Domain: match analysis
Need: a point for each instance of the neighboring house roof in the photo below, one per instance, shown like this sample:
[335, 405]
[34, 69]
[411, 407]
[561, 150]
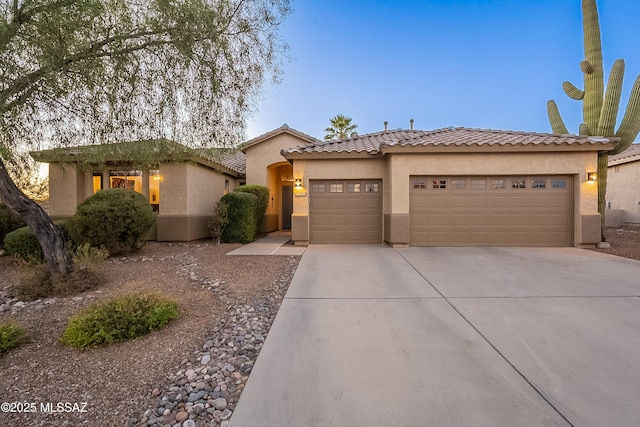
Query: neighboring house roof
[282, 129]
[395, 140]
[146, 153]
[631, 154]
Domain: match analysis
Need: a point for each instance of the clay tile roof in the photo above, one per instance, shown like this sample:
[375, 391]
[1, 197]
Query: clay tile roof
[369, 143]
[235, 160]
[631, 154]
[376, 143]
[490, 137]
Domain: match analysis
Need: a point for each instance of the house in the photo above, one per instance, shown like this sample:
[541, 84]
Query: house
[446, 187]
[623, 187]
[182, 184]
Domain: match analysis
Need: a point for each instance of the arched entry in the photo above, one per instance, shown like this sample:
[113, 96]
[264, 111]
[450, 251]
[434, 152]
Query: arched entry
[280, 184]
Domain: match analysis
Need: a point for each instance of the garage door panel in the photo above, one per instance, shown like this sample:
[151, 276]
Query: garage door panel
[438, 219]
[478, 218]
[345, 217]
[506, 211]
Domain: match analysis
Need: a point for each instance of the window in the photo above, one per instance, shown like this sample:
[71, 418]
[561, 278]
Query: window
[497, 184]
[154, 189]
[439, 183]
[518, 183]
[419, 183]
[558, 183]
[538, 183]
[478, 184]
[335, 188]
[97, 182]
[458, 184]
[227, 186]
[318, 188]
[131, 180]
[353, 188]
[371, 188]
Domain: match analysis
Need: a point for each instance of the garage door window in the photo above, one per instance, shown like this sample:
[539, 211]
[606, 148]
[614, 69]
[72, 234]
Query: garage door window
[419, 183]
[353, 188]
[559, 183]
[497, 184]
[538, 183]
[439, 183]
[335, 188]
[318, 188]
[371, 188]
[518, 183]
[478, 184]
[459, 184]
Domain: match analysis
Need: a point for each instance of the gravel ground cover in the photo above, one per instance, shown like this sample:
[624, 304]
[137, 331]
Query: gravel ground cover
[625, 241]
[190, 373]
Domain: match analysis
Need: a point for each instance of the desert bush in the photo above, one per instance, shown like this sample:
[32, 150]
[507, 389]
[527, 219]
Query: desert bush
[219, 221]
[8, 222]
[11, 335]
[22, 243]
[119, 319]
[115, 219]
[241, 210]
[84, 274]
[262, 193]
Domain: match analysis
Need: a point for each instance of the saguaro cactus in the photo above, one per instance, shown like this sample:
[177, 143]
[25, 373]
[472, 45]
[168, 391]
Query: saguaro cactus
[600, 110]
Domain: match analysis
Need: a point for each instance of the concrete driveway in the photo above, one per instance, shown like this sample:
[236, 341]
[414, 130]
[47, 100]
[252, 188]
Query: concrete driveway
[374, 336]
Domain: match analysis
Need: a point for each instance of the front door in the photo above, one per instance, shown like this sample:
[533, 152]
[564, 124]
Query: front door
[287, 206]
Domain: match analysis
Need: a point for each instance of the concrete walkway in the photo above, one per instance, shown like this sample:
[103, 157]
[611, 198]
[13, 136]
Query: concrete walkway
[271, 244]
[372, 336]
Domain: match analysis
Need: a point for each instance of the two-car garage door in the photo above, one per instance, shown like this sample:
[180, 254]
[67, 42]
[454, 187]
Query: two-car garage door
[491, 211]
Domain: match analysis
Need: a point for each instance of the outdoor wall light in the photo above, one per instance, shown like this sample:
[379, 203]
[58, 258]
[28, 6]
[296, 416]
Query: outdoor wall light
[298, 183]
[591, 177]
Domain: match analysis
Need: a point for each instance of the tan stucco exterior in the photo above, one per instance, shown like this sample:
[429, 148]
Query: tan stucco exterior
[188, 193]
[396, 169]
[266, 166]
[189, 189]
[623, 191]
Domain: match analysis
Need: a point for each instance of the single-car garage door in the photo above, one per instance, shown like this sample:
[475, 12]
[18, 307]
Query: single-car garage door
[491, 211]
[345, 211]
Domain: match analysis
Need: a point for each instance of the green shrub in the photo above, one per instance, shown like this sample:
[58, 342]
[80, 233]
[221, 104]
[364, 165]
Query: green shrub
[115, 219]
[11, 335]
[23, 244]
[262, 193]
[219, 221]
[8, 222]
[119, 319]
[241, 210]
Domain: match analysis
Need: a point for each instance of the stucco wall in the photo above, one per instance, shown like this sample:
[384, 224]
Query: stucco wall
[623, 190]
[266, 153]
[205, 187]
[67, 187]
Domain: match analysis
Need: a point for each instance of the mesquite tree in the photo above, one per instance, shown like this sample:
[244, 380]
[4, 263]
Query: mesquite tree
[75, 72]
[600, 110]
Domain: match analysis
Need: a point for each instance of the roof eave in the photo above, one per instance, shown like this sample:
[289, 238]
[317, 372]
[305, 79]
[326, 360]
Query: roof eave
[265, 136]
[331, 155]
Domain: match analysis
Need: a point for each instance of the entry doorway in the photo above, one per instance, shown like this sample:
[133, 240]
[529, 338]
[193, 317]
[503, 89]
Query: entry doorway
[287, 206]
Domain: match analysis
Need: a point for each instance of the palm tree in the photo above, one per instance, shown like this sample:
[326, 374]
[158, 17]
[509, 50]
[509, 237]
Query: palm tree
[341, 127]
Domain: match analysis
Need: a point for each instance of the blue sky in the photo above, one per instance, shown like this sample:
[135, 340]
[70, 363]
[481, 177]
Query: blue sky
[486, 64]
